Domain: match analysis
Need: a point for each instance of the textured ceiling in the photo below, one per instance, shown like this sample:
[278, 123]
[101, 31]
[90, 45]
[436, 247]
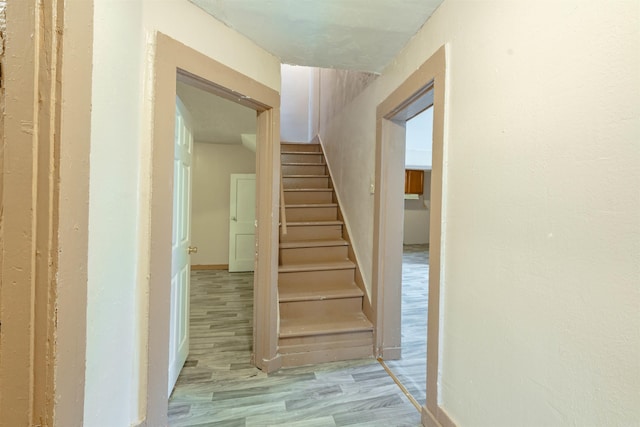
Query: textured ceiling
[216, 119]
[362, 35]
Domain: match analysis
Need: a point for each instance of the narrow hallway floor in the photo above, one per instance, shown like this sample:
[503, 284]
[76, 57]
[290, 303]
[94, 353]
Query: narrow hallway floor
[218, 386]
[411, 369]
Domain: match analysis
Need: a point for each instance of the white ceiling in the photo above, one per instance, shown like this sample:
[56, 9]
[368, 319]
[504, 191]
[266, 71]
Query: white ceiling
[216, 119]
[362, 35]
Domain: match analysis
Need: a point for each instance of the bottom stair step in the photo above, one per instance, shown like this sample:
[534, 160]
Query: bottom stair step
[309, 341]
[313, 326]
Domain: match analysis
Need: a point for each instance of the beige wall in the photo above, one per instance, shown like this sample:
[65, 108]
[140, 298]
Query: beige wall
[212, 166]
[124, 37]
[295, 113]
[541, 210]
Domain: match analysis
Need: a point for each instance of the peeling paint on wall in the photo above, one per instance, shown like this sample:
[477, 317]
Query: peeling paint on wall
[340, 87]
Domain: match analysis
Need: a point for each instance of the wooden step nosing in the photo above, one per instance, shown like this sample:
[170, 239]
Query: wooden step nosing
[315, 153]
[355, 293]
[313, 223]
[305, 176]
[333, 331]
[324, 266]
[302, 164]
[313, 244]
[312, 205]
[307, 189]
[301, 349]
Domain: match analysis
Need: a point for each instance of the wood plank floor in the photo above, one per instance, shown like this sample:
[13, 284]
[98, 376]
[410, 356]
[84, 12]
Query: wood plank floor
[218, 386]
[411, 369]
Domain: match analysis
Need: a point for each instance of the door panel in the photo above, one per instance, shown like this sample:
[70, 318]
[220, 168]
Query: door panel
[180, 268]
[242, 222]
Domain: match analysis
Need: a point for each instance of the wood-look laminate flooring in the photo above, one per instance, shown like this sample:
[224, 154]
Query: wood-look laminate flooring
[411, 369]
[219, 387]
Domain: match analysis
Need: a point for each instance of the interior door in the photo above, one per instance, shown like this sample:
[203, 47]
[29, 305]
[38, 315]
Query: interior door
[180, 265]
[242, 220]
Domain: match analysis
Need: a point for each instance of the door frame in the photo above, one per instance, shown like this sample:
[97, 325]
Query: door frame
[44, 211]
[174, 60]
[391, 115]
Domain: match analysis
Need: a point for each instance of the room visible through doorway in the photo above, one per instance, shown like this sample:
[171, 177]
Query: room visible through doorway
[214, 196]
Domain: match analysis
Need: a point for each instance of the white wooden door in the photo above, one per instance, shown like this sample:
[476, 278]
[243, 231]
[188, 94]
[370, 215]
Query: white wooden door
[180, 265]
[242, 229]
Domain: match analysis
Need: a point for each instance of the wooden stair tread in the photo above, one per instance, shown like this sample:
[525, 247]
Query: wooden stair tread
[302, 164]
[317, 266]
[316, 325]
[306, 223]
[315, 153]
[317, 292]
[312, 205]
[308, 189]
[312, 244]
[305, 176]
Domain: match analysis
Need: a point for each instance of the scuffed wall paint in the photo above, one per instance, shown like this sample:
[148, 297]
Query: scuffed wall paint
[338, 88]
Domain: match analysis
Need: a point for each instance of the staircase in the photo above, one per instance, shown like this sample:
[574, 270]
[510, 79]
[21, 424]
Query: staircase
[320, 305]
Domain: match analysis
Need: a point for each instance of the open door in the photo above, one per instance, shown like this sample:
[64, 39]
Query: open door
[180, 264]
[242, 223]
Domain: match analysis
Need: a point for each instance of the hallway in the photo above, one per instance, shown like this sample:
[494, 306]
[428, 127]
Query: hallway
[218, 386]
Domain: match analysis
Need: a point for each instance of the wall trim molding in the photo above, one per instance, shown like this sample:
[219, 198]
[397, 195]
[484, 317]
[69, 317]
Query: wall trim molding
[442, 419]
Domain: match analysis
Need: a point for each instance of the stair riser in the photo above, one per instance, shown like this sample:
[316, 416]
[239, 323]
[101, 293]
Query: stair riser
[329, 307]
[301, 197]
[333, 340]
[304, 170]
[302, 158]
[337, 277]
[300, 147]
[311, 182]
[312, 214]
[311, 232]
[324, 356]
[309, 255]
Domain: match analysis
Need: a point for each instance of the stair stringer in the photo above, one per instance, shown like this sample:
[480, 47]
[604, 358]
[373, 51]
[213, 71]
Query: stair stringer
[367, 307]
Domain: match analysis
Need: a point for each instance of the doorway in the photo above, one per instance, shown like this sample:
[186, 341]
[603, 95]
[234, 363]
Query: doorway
[410, 98]
[410, 368]
[173, 59]
[209, 156]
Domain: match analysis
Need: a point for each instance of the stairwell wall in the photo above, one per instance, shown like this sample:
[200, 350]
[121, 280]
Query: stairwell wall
[296, 116]
[540, 212]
